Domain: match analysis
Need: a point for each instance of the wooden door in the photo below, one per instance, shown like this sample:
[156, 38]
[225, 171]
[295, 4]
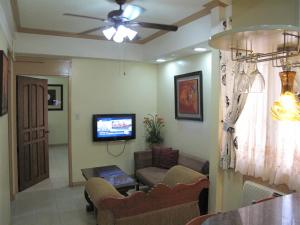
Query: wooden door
[32, 120]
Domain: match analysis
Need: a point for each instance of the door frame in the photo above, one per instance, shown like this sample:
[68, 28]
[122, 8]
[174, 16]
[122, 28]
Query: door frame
[36, 66]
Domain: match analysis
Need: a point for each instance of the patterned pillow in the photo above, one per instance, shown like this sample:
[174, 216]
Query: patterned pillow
[156, 152]
[168, 158]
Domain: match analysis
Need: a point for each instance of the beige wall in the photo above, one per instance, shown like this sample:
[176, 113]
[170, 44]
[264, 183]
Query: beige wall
[189, 136]
[264, 12]
[58, 120]
[4, 158]
[196, 138]
[232, 190]
[100, 86]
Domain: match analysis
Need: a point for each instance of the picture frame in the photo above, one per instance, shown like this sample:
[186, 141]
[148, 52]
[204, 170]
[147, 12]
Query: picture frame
[189, 96]
[55, 97]
[4, 64]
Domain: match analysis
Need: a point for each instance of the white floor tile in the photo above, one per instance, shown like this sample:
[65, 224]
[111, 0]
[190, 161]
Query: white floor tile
[52, 202]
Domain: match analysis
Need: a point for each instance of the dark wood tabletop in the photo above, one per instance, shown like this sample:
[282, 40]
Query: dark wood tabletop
[113, 174]
[283, 210]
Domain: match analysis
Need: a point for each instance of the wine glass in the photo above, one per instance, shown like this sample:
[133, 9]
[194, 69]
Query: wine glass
[257, 80]
[242, 82]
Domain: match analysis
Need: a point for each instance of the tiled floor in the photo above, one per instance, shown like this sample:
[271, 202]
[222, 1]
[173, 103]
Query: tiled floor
[52, 202]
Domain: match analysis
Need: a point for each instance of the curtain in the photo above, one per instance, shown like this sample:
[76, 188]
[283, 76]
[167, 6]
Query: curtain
[234, 103]
[252, 142]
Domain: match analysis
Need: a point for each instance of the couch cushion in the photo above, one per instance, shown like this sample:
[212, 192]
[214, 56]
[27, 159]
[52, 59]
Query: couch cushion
[183, 175]
[98, 189]
[151, 175]
[156, 153]
[155, 156]
[193, 162]
[168, 158]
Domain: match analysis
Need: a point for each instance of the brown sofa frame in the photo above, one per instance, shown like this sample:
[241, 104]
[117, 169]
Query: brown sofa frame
[172, 202]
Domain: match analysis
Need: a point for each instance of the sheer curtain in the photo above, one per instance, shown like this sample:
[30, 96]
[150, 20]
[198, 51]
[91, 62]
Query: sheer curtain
[267, 148]
[233, 106]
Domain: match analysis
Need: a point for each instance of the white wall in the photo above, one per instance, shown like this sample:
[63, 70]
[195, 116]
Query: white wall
[58, 120]
[100, 86]
[4, 158]
[193, 137]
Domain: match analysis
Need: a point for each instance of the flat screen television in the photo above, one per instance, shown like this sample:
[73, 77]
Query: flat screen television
[113, 127]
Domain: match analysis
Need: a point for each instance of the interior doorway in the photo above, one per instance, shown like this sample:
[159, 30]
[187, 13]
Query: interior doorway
[56, 133]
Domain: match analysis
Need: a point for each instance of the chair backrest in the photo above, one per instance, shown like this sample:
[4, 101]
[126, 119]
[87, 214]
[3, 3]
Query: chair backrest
[194, 162]
[253, 191]
[200, 219]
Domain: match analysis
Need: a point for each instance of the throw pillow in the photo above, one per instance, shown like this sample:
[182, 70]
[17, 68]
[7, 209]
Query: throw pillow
[156, 155]
[168, 158]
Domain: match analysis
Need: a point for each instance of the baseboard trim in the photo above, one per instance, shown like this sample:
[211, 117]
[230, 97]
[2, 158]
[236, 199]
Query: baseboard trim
[78, 183]
[57, 145]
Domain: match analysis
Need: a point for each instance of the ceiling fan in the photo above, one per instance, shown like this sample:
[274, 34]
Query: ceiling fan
[120, 21]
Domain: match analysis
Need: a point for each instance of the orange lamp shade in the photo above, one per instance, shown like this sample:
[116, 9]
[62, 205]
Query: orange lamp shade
[287, 107]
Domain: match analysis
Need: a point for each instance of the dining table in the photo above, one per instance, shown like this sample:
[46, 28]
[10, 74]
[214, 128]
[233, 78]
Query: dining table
[284, 210]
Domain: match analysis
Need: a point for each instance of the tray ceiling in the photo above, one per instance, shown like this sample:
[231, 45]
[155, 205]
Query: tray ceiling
[46, 16]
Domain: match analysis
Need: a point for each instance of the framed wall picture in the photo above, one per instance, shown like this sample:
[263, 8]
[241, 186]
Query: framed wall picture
[3, 83]
[189, 96]
[55, 97]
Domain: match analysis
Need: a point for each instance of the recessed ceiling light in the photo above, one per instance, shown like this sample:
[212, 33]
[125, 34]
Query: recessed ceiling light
[161, 60]
[200, 49]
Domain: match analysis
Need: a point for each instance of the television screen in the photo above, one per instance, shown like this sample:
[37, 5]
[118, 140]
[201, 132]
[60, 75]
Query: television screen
[111, 127]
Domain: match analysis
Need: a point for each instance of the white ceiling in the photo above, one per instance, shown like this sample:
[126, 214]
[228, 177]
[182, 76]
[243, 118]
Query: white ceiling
[48, 14]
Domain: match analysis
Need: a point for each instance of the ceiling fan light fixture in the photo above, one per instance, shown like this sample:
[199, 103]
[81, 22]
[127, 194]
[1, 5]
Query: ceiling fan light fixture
[118, 38]
[109, 33]
[120, 19]
[124, 32]
[131, 33]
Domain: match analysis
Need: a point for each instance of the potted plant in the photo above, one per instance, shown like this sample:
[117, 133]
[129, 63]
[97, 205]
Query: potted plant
[153, 125]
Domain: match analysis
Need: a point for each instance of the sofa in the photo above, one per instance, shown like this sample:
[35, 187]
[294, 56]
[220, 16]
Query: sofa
[174, 201]
[148, 174]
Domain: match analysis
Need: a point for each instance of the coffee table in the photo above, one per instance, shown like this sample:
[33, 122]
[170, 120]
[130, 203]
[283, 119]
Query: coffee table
[112, 174]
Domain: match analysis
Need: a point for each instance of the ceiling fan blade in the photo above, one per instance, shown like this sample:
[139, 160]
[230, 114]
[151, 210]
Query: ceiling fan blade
[137, 37]
[132, 12]
[153, 26]
[92, 30]
[83, 16]
[114, 1]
